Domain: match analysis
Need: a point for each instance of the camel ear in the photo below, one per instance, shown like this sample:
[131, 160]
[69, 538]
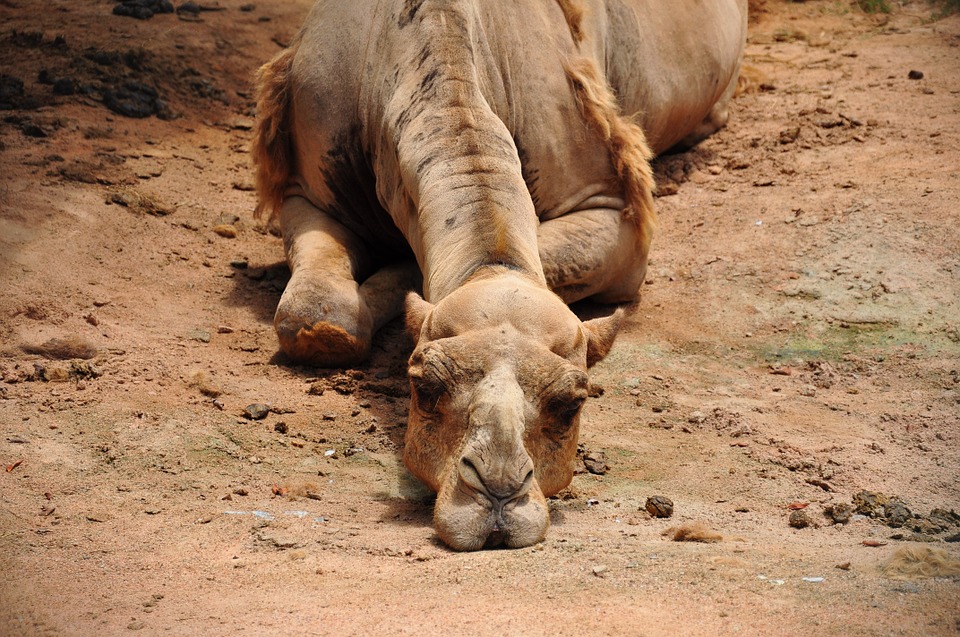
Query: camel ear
[417, 311]
[601, 333]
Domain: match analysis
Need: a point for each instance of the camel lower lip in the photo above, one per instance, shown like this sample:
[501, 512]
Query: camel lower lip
[496, 539]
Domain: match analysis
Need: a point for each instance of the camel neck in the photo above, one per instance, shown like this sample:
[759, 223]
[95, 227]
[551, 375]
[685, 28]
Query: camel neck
[454, 161]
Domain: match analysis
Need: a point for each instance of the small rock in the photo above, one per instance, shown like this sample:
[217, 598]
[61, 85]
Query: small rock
[200, 335]
[800, 519]
[241, 491]
[225, 230]
[596, 462]
[240, 122]
[789, 135]
[870, 504]
[256, 411]
[280, 427]
[840, 513]
[808, 390]
[896, 513]
[659, 506]
[599, 570]
[915, 75]
[64, 86]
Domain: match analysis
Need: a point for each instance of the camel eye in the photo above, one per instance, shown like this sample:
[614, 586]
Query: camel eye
[569, 408]
[562, 411]
[427, 391]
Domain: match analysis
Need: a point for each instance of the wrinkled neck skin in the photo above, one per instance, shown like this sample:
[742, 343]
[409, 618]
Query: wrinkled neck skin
[448, 170]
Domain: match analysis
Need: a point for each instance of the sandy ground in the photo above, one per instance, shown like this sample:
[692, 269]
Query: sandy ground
[797, 343]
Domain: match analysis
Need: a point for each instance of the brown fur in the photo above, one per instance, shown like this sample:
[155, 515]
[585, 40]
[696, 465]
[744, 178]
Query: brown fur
[749, 80]
[64, 348]
[626, 143]
[916, 562]
[200, 380]
[573, 12]
[692, 532]
[272, 148]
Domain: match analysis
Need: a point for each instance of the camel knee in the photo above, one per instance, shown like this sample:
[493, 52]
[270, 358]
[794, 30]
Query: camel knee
[323, 322]
[627, 286]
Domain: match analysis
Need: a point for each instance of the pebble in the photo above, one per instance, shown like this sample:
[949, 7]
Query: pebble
[800, 519]
[280, 427]
[659, 506]
[896, 513]
[228, 231]
[596, 462]
[840, 512]
[915, 75]
[200, 335]
[256, 411]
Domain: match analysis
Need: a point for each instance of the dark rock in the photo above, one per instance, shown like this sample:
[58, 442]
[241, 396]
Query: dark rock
[256, 411]
[64, 86]
[870, 504]
[142, 9]
[896, 513]
[280, 427]
[915, 75]
[923, 525]
[659, 506]
[800, 519]
[137, 100]
[33, 130]
[189, 7]
[596, 462]
[11, 90]
[840, 513]
[947, 518]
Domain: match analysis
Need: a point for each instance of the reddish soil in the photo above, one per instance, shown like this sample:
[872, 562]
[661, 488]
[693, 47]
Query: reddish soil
[798, 342]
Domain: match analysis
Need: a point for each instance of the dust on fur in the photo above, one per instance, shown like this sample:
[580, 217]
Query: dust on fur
[72, 346]
[692, 532]
[919, 562]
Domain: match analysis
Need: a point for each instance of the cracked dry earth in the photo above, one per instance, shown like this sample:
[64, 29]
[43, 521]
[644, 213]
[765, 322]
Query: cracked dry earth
[796, 345]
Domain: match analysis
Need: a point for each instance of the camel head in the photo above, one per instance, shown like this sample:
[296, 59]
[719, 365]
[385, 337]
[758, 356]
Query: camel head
[498, 379]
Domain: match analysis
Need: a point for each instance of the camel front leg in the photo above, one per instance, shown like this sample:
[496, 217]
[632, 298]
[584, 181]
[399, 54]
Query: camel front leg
[592, 254]
[325, 316]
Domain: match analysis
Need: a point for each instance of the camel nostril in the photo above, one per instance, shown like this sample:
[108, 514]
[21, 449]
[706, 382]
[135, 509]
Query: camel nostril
[527, 483]
[471, 475]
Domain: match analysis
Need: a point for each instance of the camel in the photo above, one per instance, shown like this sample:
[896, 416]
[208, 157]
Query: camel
[496, 157]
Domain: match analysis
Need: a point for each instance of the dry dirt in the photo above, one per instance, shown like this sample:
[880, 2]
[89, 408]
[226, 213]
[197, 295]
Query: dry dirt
[797, 342]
